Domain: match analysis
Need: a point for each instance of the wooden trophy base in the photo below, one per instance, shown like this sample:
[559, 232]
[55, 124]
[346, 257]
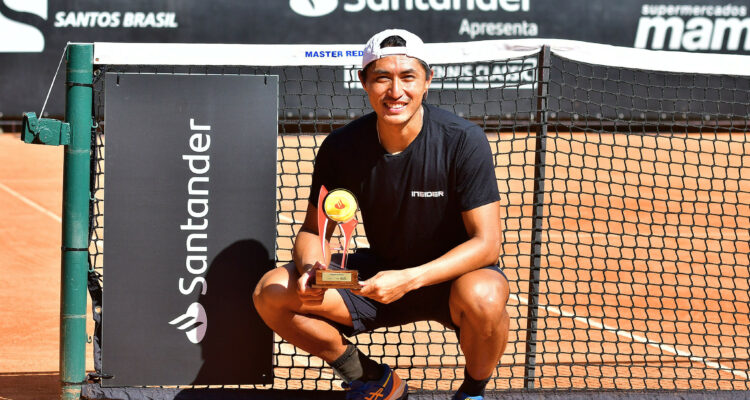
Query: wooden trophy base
[336, 279]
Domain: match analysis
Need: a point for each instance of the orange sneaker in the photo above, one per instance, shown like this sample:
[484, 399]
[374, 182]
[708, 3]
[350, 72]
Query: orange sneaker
[389, 387]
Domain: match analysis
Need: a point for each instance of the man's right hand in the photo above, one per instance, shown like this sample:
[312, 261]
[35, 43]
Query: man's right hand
[307, 294]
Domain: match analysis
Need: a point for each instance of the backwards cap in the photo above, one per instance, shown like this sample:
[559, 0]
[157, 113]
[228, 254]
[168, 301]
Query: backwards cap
[414, 46]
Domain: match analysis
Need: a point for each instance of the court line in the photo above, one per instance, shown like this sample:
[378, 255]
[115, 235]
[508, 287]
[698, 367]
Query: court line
[31, 203]
[661, 346]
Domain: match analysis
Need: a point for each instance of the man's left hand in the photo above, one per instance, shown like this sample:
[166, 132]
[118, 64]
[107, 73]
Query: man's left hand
[387, 286]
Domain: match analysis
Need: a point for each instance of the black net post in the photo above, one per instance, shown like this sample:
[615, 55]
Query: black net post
[537, 216]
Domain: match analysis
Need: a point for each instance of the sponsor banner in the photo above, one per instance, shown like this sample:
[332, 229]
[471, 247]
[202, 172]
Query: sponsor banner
[191, 222]
[517, 73]
[34, 32]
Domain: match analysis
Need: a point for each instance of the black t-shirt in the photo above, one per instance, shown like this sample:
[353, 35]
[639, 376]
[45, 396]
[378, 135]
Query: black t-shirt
[411, 202]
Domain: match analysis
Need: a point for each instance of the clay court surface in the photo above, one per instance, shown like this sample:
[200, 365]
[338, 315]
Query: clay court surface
[30, 209]
[597, 327]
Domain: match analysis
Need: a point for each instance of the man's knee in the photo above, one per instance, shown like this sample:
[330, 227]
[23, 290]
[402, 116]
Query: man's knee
[273, 289]
[480, 301]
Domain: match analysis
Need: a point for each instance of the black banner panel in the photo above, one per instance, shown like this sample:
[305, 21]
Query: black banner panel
[190, 209]
[33, 33]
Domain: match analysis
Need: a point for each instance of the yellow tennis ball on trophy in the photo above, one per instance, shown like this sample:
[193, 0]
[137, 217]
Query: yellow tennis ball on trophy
[340, 205]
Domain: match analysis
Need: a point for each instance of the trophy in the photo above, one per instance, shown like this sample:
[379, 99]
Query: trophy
[340, 206]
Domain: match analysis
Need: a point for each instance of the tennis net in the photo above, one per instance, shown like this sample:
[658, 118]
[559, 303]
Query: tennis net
[625, 203]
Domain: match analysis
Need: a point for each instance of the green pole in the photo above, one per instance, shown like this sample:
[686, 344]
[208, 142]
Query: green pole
[75, 219]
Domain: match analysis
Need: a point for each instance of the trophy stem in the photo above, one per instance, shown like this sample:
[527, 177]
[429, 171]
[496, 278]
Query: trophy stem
[348, 229]
[322, 219]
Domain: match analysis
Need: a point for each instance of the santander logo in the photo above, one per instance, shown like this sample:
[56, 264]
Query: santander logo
[313, 8]
[194, 323]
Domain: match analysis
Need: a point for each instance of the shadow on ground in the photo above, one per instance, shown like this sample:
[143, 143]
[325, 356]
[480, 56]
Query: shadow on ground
[29, 385]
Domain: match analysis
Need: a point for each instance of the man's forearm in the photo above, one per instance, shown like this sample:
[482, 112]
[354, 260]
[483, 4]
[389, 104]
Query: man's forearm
[472, 254]
[480, 250]
[307, 251]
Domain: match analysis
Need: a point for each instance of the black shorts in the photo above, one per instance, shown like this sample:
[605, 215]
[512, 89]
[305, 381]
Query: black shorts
[426, 303]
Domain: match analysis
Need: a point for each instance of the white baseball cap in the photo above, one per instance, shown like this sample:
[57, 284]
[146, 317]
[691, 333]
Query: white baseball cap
[414, 46]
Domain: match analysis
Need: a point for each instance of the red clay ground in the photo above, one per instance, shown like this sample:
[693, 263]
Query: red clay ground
[30, 229]
[30, 203]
